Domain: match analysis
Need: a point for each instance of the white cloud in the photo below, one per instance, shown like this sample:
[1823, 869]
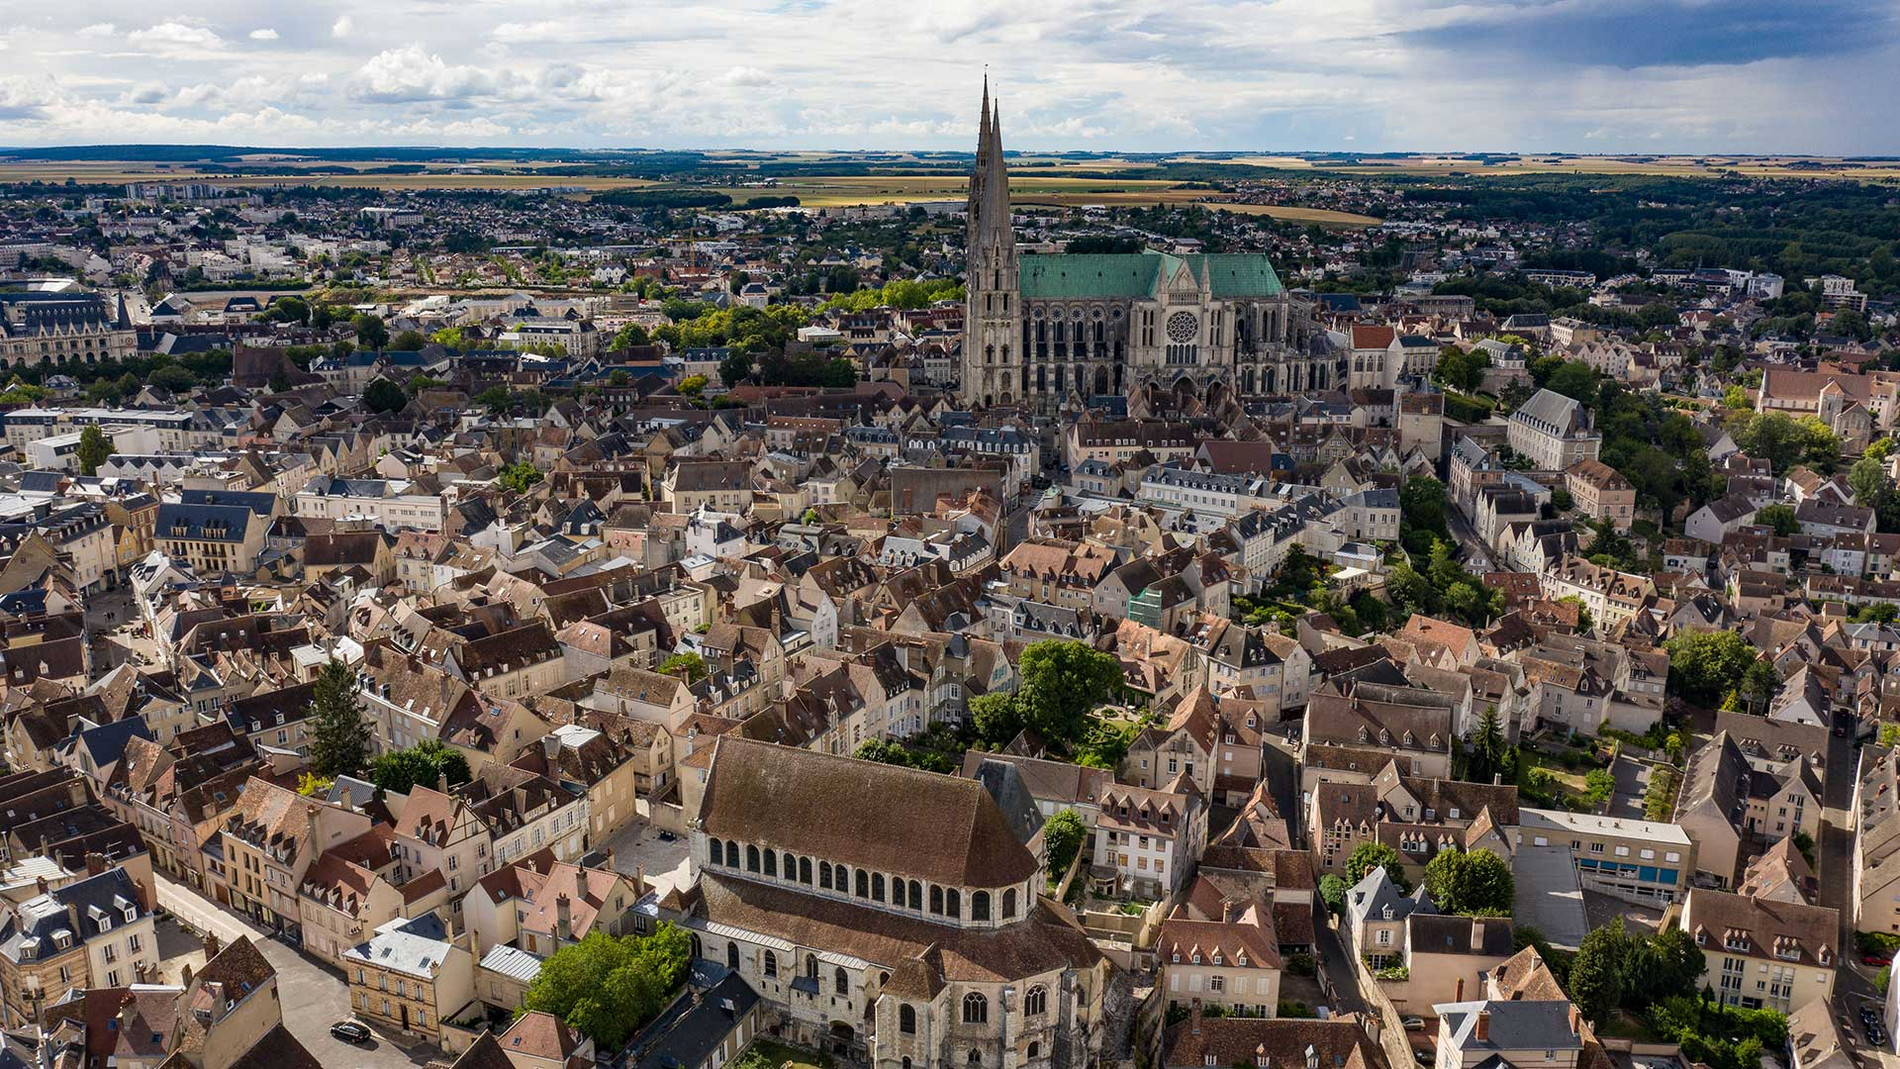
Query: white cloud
[412, 73]
[1096, 74]
[176, 35]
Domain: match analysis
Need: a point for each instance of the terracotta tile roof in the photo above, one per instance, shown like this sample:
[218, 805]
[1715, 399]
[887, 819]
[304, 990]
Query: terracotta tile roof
[863, 813]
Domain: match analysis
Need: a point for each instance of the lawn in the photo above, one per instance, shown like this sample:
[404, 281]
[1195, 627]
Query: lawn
[776, 1055]
[1626, 1026]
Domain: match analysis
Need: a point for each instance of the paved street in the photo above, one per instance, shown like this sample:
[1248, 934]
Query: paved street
[313, 997]
[639, 848]
[1339, 971]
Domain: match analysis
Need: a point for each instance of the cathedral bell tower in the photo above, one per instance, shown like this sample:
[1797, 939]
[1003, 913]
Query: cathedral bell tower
[993, 370]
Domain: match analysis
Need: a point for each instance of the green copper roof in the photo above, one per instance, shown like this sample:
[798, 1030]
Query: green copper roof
[1139, 274]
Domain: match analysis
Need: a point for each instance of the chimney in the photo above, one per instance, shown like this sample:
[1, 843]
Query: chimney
[1194, 1018]
[441, 782]
[1497, 779]
[448, 927]
[1477, 936]
[1483, 1031]
[185, 980]
[39, 885]
[563, 918]
[1576, 1020]
[1460, 996]
[95, 863]
[128, 1009]
[211, 945]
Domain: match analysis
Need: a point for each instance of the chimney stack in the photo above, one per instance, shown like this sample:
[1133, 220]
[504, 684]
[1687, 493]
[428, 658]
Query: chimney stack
[1477, 936]
[212, 946]
[1460, 996]
[1483, 1030]
[563, 918]
[1194, 1017]
[95, 863]
[1576, 1020]
[441, 782]
[39, 885]
[185, 979]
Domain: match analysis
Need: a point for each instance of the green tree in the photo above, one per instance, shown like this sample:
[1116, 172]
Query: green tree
[1488, 748]
[1062, 838]
[735, 368]
[1371, 855]
[1422, 506]
[172, 377]
[94, 449]
[692, 386]
[339, 736]
[383, 395]
[288, 309]
[998, 717]
[1596, 975]
[1780, 518]
[1062, 682]
[1332, 891]
[425, 764]
[688, 666]
[629, 336]
[1474, 883]
[1703, 665]
[496, 399]
[608, 987]
[519, 476]
[370, 331]
[409, 341]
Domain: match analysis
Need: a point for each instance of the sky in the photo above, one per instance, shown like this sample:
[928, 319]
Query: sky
[1593, 76]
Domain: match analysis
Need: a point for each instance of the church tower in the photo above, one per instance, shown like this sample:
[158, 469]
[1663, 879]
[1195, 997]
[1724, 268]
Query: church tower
[992, 315]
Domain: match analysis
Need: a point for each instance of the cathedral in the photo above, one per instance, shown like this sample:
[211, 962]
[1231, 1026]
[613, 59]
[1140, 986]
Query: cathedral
[1172, 334]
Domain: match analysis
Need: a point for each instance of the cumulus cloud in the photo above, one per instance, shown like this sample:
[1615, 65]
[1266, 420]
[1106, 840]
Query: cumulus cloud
[1601, 76]
[179, 34]
[412, 74]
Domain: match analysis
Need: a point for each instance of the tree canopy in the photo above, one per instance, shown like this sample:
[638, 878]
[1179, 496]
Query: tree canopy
[1703, 665]
[425, 764]
[1473, 883]
[339, 736]
[609, 987]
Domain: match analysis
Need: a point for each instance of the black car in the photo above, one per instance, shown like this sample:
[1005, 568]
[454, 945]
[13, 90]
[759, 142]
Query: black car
[350, 1031]
[1869, 1015]
[667, 836]
[1876, 1036]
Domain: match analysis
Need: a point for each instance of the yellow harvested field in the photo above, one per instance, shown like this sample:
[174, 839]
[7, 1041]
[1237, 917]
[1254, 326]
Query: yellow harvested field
[1321, 216]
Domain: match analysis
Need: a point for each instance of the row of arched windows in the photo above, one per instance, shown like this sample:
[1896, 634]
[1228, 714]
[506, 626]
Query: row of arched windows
[874, 886]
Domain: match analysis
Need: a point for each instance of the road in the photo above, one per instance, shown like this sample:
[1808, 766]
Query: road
[313, 996]
[1477, 554]
[1338, 969]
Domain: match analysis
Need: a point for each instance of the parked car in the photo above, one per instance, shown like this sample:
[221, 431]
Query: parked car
[1414, 1024]
[1422, 1057]
[1876, 1036]
[1869, 1015]
[350, 1031]
[1875, 960]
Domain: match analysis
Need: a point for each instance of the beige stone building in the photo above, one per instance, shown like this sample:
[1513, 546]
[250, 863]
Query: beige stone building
[1761, 953]
[411, 974]
[1601, 493]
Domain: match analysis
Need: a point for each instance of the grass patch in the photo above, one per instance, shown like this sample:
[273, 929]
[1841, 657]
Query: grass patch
[1625, 1026]
[771, 1054]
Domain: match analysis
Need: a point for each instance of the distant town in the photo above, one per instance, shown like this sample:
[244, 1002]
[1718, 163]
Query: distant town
[1209, 613]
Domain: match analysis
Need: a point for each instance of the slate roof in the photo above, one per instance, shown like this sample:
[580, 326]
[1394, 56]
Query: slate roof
[1141, 274]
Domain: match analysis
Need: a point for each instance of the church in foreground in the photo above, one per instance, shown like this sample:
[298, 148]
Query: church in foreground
[1170, 333]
